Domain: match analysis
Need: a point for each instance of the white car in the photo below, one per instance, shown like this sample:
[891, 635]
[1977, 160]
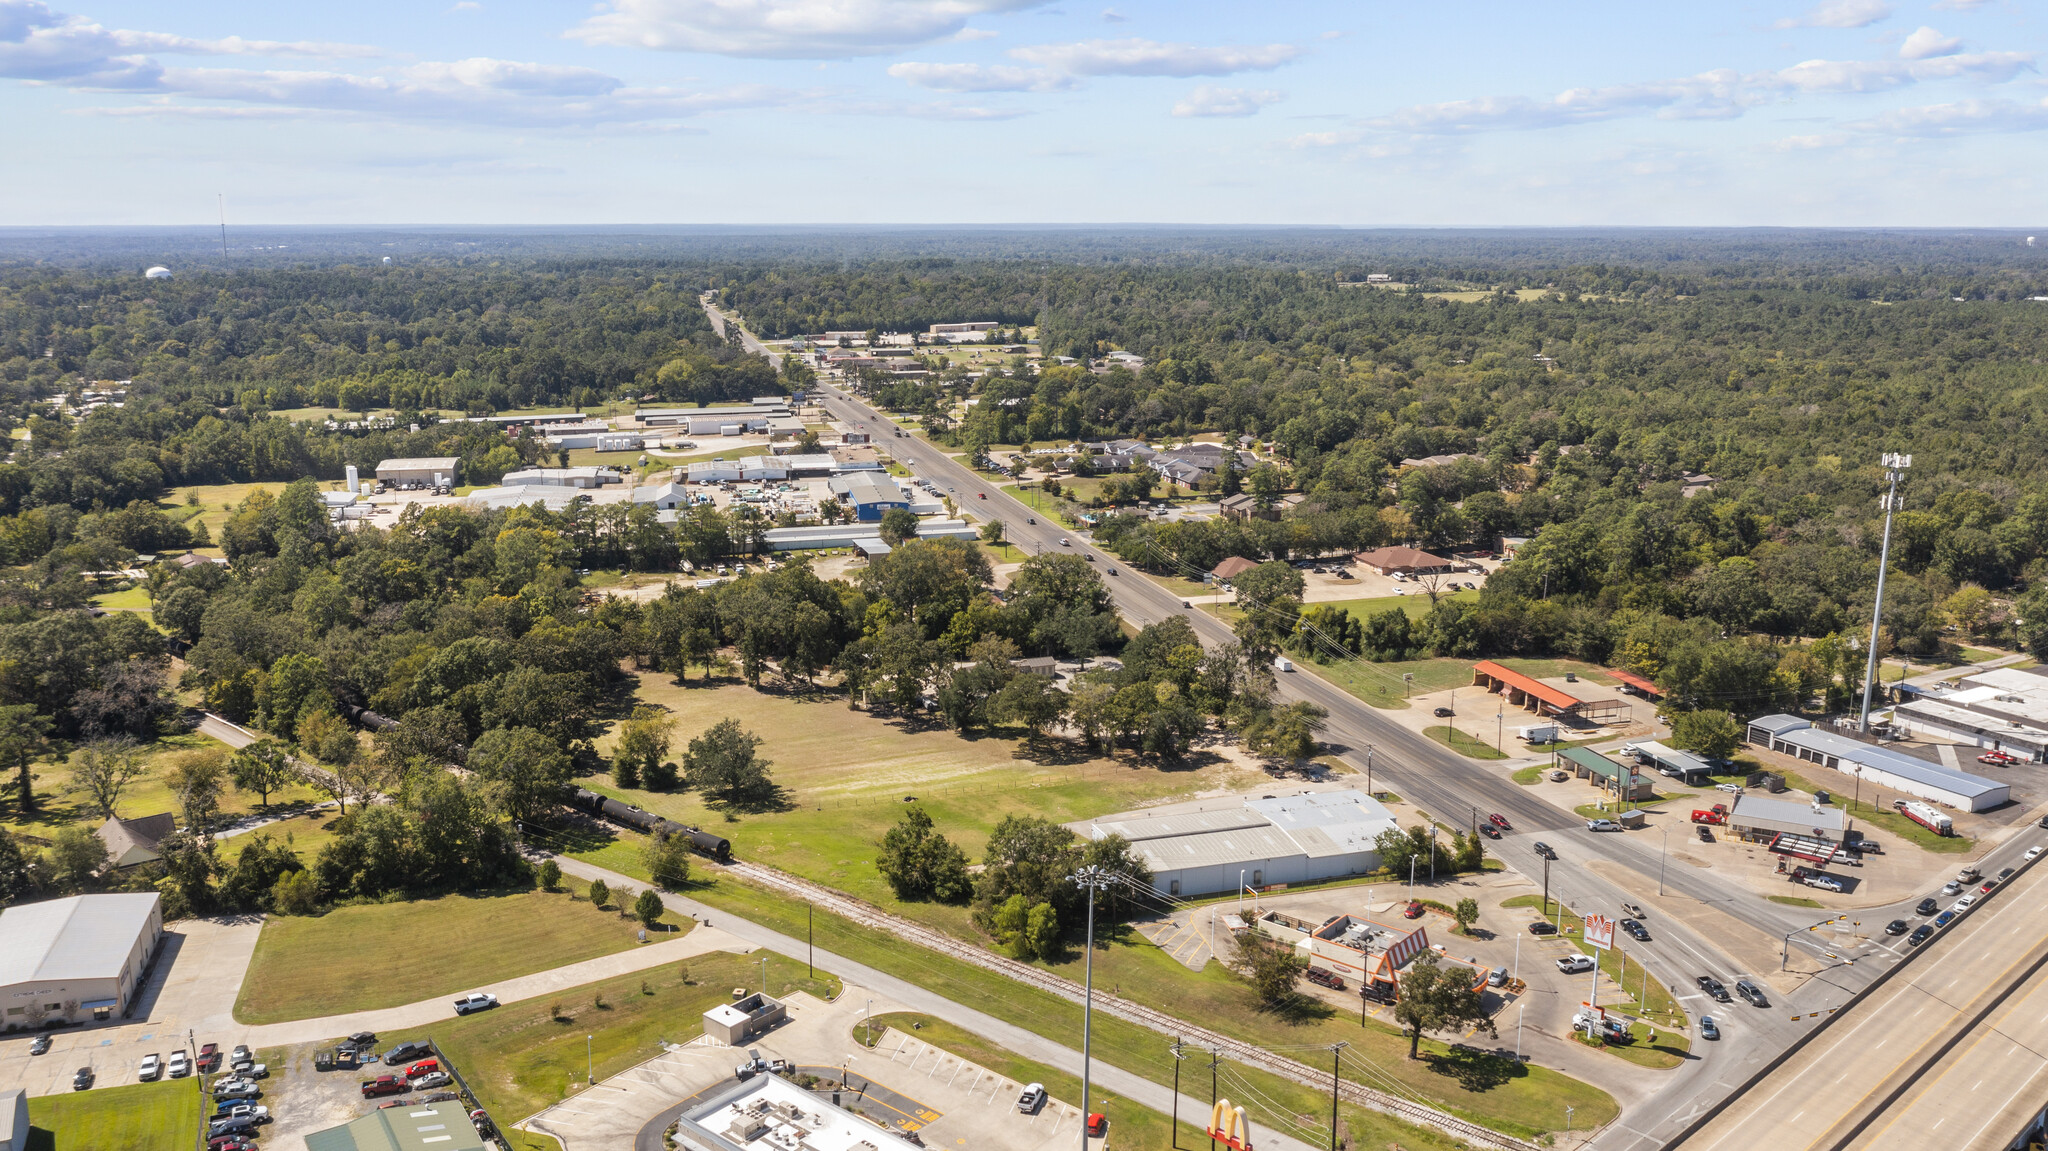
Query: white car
[180, 1066]
[1032, 1099]
[1730, 788]
[1951, 887]
[2034, 851]
[1575, 964]
[1602, 825]
[475, 1001]
[1964, 903]
[152, 1066]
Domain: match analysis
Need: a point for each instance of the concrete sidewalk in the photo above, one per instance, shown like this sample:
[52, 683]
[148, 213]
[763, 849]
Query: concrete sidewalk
[914, 998]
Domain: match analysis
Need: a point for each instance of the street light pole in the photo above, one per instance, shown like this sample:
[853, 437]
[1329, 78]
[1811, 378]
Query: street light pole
[1662, 855]
[589, 1062]
[1091, 879]
[1895, 466]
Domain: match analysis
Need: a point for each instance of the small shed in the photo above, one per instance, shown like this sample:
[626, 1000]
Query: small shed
[736, 1022]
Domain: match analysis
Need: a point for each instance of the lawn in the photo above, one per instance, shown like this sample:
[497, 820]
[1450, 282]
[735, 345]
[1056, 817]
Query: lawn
[522, 1056]
[1793, 900]
[1530, 775]
[1136, 1126]
[1653, 1048]
[216, 501]
[1464, 743]
[1522, 1099]
[58, 805]
[161, 1116]
[848, 774]
[133, 599]
[1653, 1001]
[1388, 685]
[306, 967]
[1416, 606]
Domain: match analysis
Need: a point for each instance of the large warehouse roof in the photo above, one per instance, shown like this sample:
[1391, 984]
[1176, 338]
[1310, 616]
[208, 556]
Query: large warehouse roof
[1313, 824]
[83, 937]
[1898, 763]
[441, 1126]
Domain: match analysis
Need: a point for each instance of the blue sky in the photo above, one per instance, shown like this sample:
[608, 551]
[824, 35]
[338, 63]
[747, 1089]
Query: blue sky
[1841, 112]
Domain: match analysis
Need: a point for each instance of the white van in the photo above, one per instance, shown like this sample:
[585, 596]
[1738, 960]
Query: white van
[1282, 663]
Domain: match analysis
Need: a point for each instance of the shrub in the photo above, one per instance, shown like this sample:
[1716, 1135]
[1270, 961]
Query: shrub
[599, 893]
[550, 874]
[648, 907]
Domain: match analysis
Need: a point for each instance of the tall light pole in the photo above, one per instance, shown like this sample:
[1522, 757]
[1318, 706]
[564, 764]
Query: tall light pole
[1895, 466]
[1090, 879]
[589, 1062]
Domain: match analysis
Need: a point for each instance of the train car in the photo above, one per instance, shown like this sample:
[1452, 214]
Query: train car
[364, 717]
[715, 846]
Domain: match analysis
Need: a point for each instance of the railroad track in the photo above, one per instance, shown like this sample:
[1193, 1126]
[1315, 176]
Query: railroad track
[868, 915]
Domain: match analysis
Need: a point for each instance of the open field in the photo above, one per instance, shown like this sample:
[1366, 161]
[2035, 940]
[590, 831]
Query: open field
[849, 774]
[1525, 1099]
[216, 501]
[58, 805]
[1416, 606]
[1474, 296]
[390, 954]
[1383, 685]
[522, 1057]
[135, 599]
[1463, 743]
[160, 1116]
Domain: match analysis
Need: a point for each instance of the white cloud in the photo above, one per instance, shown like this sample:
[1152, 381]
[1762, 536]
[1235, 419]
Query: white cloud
[981, 77]
[1112, 16]
[1960, 5]
[1967, 117]
[1840, 14]
[785, 29]
[1926, 43]
[1135, 57]
[1212, 101]
[1719, 94]
[37, 43]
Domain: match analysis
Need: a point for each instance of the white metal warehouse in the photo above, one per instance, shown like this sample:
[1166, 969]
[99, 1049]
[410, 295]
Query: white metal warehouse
[75, 959]
[1790, 735]
[1285, 839]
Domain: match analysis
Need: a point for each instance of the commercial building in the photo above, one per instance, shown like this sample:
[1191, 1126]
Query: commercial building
[131, 842]
[553, 497]
[870, 496]
[734, 1023]
[1882, 766]
[410, 1126]
[1232, 567]
[2001, 708]
[76, 959]
[665, 497]
[14, 1120]
[815, 536]
[1405, 560]
[586, 477]
[1620, 778]
[714, 471]
[1364, 952]
[583, 434]
[766, 1112]
[549, 420]
[423, 472]
[1286, 839]
[1532, 694]
[963, 328]
[1755, 817]
[1682, 766]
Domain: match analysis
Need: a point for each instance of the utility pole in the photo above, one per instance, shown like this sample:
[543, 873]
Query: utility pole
[1215, 1060]
[1546, 887]
[810, 936]
[1368, 772]
[1091, 879]
[1177, 1057]
[1336, 1062]
[1895, 466]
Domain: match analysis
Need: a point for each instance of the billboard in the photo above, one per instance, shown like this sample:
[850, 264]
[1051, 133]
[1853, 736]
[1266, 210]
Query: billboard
[1599, 931]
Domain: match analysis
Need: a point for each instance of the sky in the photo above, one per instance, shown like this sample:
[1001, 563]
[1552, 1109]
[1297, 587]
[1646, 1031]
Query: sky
[1922, 113]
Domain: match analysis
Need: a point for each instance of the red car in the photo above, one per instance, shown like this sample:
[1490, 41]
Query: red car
[209, 1058]
[1414, 910]
[423, 1067]
[385, 1085]
[1500, 821]
[1098, 1125]
[1999, 758]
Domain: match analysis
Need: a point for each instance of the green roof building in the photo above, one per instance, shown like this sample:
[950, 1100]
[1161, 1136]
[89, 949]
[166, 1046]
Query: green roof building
[1622, 779]
[406, 1127]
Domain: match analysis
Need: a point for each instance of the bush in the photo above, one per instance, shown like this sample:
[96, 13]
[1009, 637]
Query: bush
[600, 894]
[295, 893]
[668, 860]
[648, 907]
[549, 874]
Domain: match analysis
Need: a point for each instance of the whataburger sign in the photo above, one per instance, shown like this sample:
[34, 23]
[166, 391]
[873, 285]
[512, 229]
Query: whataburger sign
[1228, 1124]
[1599, 931]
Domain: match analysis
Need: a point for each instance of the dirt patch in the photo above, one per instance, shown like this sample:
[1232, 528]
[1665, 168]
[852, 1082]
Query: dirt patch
[1753, 950]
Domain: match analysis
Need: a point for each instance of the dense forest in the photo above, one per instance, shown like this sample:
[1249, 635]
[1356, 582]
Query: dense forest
[1685, 428]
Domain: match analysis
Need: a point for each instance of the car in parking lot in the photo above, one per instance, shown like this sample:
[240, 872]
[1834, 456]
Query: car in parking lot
[1706, 833]
[1636, 930]
[1822, 882]
[255, 1112]
[1098, 1125]
[1708, 1028]
[423, 1067]
[1999, 758]
[1575, 964]
[1926, 906]
[1919, 935]
[41, 1045]
[1946, 918]
[475, 1001]
[1543, 927]
[1324, 977]
[209, 1058]
[751, 1066]
[406, 1053]
[221, 1127]
[432, 1079]
[1730, 788]
[1413, 910]
[384, 1085]
[1559, 776]
[1895, 927]
[1713, 988]
[82, 1080]
[248, 1070]
[1752, 993]
[1032, 1099]
[179, 1066]
[1443, 713]
[236, 1089]
[152, 1066]
[1489, 831]
[1545, 850]
[1602, 825]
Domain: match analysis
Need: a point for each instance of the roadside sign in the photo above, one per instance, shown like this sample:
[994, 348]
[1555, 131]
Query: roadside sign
[1599, 931]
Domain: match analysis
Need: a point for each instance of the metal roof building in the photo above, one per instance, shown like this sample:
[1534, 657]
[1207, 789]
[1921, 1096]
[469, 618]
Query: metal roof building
[1620, 778]
[429, 471]
[1757, 816]
[1286, 839]
[1790, 735]
[75, 959]
[443, 1126]
[1683, 766]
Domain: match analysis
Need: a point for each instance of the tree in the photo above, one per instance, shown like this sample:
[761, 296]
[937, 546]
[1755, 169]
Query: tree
[1288, 732]
[104, 768]
[1042, 932]
[722, 764]
[549, 874]
[1271, 967]
[898, 525]
[196, 780]
[1466, 914]
[668, 860]
[1433, 998]
[1397, 846]
[295, 893]
[326, 736]
[1029, 699]
[262, 767]
[643, 744]
[992, 533]
[919, 863]
[17, 876]
[24, 738]
[523, 766]
[1713, 734]
[600, 894]
[648, 907]
[77, 857]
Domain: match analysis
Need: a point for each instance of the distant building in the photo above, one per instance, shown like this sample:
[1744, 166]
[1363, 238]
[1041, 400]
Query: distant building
[1437, 461]
[664, 497]
[1406, 560]
[1378, 278]
[733, 1024]
[584, 477]
[1882, 766]
[423, 472]
[1233, 567]
[1285, 839]
[964, 328]
[131, 842]
[553, 497]
[868, 495]
[76, 959]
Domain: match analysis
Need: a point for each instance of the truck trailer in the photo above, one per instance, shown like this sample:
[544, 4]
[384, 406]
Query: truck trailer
[1927, 816]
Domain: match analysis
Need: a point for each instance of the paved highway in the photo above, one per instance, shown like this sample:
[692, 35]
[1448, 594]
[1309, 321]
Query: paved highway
[1949, 1053]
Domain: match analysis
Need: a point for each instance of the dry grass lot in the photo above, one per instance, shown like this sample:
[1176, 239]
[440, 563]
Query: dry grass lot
[58, 805]
[387, 955]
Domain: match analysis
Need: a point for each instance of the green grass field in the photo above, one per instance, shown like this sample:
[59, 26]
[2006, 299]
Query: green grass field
[522, 1057]
[133, 599]
[1793, 900]
[343, 961]
[1523, 1099]
[1416, 606]
[58, 805]
[849, 772]
[1464, 743]
[161, 1116]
